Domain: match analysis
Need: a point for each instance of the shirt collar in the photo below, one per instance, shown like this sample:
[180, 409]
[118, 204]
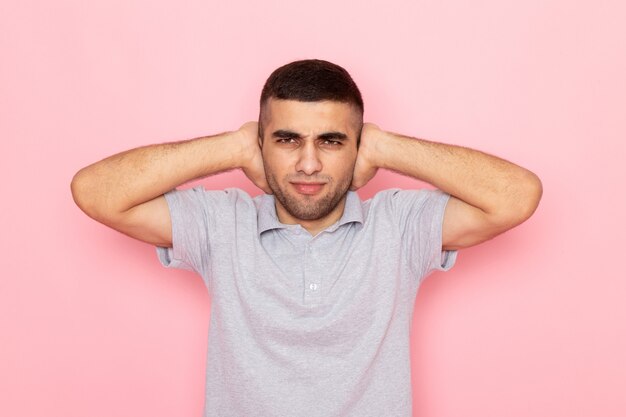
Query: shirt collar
[267, 218]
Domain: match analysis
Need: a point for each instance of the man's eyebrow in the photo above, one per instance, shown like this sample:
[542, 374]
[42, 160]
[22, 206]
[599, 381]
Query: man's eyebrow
[288, 134]
[284, 134]
[333, 136]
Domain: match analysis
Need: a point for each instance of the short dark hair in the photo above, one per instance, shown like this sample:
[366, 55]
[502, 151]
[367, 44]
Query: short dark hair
[310, 80]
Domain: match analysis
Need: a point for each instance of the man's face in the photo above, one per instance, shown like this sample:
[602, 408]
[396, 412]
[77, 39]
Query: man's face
[309, 151]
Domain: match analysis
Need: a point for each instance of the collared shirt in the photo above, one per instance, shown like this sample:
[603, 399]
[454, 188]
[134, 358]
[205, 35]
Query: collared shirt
[303, 325]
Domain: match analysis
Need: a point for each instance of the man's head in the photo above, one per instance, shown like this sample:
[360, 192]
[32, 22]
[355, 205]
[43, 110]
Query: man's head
[310, 120]
[310, 80]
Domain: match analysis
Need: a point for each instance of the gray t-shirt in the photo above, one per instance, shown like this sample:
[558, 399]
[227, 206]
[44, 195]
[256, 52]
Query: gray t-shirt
[308, 326]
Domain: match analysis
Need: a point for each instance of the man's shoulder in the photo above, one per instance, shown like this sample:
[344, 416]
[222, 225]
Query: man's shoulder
[398, 200]
[219, 199]
[407, 194]
[390, 195]
[199, 190]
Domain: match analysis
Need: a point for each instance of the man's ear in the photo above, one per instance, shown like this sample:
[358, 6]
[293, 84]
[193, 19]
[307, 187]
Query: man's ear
[263, 120]
[359, 131]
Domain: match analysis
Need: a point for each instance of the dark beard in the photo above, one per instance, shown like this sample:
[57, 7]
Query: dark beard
[312, 210]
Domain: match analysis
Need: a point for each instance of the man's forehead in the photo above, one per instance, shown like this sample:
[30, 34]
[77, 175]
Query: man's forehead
[277, 103]
[321, 115]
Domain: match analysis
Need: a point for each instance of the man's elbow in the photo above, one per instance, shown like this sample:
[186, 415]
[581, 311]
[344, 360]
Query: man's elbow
[523, 201]
[87, 195]
[80, 190]
[530, 196]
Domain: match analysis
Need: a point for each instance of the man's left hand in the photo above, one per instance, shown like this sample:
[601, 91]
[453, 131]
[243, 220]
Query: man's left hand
[366, 165]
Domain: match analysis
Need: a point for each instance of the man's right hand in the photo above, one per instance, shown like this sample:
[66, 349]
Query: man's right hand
[252, 160]
[125, 191]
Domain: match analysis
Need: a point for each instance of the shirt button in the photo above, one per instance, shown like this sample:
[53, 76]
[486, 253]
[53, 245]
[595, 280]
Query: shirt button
[313, 286]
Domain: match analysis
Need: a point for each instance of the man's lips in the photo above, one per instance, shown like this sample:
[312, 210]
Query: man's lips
[308, 188]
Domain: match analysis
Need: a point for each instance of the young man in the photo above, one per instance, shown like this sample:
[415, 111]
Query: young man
[312, 289]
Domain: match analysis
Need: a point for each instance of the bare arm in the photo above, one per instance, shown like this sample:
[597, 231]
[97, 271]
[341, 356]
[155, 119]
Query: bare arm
[489, 194]
[125, 191]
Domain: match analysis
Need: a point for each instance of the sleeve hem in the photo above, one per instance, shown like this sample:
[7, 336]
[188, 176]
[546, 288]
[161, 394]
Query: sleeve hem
[443, 260]
[448, 259]
[170, 257]
[167, 259]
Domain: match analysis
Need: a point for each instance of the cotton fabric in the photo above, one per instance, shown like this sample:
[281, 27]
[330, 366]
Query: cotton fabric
[303, 325]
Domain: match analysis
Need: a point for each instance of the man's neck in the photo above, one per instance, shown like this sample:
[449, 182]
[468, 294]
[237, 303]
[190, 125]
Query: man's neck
[312, 226]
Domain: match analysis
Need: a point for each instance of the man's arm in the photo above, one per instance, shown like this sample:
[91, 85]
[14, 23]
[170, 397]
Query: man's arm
[489, 194]
[125, 191]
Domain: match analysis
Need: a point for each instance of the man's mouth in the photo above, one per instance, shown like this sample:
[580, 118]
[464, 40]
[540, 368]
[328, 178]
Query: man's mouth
[308, 188]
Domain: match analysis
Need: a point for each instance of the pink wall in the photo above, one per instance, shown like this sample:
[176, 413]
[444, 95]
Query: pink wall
[530, 324]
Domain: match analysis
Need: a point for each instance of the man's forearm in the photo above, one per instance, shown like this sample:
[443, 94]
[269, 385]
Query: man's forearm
[495, 186]
[124, 180]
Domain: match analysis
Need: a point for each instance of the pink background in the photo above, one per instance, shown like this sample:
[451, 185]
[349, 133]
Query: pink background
[530, 324]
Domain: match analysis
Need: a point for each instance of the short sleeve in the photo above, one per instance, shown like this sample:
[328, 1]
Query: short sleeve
[191, 212]
[420, 215]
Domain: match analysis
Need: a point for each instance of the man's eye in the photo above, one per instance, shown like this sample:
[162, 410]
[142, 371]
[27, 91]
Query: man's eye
[286, 140]
[331, 142]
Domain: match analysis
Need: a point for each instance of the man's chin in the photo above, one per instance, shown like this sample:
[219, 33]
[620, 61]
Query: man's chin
[307, 207]
[310, 211]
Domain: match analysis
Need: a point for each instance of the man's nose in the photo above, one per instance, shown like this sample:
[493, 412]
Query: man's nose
[308, 160]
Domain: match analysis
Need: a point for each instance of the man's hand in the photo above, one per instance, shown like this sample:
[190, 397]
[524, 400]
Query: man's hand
[366, 165]
[252, 160]
[489, 195]
[125, 191]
